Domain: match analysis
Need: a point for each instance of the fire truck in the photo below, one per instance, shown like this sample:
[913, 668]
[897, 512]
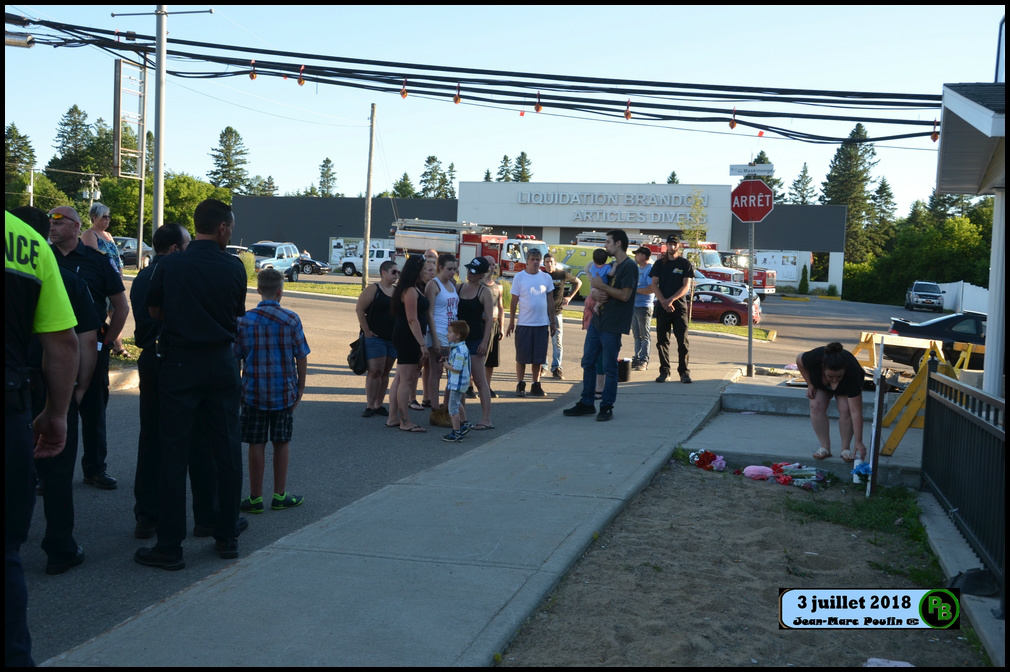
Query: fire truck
[466, 240]
[764, 278]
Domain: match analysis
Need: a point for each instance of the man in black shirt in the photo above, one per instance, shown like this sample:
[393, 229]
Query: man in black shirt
[104, 282]
[168, 239]
[199, 296]
[603, 337]
[672, 276]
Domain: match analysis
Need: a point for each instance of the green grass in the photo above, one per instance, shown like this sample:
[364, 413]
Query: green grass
[119, 362]
[892, 511]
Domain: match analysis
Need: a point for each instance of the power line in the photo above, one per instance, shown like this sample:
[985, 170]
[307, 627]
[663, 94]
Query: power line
[601, 99]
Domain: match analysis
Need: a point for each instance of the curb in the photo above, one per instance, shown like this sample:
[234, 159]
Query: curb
[124, 379]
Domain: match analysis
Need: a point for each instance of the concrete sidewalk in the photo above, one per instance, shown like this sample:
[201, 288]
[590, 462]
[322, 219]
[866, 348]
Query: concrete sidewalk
[442, 568]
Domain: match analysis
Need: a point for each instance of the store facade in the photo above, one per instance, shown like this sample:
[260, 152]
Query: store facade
[557, 212]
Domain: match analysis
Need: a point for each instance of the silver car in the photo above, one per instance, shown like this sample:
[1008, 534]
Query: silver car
[737, 289]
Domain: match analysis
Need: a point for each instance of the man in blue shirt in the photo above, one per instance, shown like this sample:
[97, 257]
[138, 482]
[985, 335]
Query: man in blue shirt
[641, 323]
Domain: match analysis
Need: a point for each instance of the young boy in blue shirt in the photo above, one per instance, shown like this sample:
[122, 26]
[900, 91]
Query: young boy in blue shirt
[272, 350]
[457, 363]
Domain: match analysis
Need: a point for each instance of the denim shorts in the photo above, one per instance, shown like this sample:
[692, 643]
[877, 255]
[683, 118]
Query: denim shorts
[376, 347]
[455, 401]
[443, 339]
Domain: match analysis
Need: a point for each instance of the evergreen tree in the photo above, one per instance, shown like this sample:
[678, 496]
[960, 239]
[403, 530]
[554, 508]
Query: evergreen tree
[672, 179]
[881, 231]
[19, 158]
[505, 170]
[73, 142]
[101, 146]
[269, 186]
[521, 169]
[802, 192]
[261, 187]
[772, 181]
[918, 220]
[487, 176]
[433, 179]
[230, 162]
[19, 155]
[327, 178]
[447, 185]
[849, 183]
[403, 188]
[945, 206]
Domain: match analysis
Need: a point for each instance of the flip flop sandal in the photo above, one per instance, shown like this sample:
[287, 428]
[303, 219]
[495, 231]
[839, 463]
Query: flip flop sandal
[480, 427]
[426, 403]
[822, 454]
[848, 456]
[416, 429]
[414, 406]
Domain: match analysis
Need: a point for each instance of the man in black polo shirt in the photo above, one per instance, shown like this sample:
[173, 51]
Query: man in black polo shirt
[168, 239]
[672, 276]
[104, 282]
[199, 295]
[56, 474]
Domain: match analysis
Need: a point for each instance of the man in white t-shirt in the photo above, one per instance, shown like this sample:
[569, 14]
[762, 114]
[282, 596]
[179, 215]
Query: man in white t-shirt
[533, 294]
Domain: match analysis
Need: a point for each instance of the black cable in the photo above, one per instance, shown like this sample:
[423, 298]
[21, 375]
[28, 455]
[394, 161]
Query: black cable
[652, 100]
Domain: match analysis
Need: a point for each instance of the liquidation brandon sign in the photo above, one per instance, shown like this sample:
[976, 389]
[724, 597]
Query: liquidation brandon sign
[618, 208]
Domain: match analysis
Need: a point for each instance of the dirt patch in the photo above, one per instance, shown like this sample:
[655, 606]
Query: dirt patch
[689, 575]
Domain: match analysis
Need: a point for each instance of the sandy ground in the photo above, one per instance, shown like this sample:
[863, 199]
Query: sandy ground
[689, 575]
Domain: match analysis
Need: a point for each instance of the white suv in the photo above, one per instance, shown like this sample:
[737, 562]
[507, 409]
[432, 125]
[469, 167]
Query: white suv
[282, 256]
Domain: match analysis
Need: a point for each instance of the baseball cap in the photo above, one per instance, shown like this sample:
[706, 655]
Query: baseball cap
[673, 238]
[478, 265]
[643, 250]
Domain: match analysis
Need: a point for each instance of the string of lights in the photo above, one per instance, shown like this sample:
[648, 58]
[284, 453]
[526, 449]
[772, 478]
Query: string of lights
[646, 101]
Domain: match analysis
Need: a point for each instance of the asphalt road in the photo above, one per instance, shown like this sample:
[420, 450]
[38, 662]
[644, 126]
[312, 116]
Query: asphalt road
[337, 457]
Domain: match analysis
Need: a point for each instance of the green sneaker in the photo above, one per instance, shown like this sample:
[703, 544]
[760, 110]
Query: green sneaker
[251, 505]
[286, 501]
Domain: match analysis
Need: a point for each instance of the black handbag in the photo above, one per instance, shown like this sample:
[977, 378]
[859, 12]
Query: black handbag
[357, 358]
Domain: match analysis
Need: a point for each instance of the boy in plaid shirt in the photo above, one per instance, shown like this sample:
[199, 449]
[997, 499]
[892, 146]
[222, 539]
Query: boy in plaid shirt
[272, 350]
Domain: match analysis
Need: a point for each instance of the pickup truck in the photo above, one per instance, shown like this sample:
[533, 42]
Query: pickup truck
[352, 266]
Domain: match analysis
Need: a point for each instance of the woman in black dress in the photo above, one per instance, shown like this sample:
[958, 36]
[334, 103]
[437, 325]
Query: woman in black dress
[410, 309]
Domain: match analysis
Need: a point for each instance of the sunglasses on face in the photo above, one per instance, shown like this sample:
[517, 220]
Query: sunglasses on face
[55, 216]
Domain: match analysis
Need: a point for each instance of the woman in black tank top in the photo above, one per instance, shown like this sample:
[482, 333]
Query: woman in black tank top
[476, 308]
[376, 320]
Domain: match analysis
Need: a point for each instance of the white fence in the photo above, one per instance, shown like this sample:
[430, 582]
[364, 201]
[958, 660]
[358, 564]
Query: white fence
[962, 296]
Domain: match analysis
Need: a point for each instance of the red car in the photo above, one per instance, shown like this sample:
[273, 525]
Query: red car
[719, 307]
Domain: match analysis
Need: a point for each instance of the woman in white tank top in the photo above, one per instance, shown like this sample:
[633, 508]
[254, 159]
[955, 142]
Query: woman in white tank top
[443, 302]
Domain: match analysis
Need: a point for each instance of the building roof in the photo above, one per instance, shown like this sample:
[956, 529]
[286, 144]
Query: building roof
[972, 139]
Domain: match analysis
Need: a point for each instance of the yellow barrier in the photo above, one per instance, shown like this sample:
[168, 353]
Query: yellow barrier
[908, 409]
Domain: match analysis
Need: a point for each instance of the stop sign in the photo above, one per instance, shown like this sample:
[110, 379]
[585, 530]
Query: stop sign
[751, 201]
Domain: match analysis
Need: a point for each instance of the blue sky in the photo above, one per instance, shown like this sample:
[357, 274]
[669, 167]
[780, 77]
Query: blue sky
[289, 130]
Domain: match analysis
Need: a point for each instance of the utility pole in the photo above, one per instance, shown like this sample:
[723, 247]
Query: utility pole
[368, 204]
[158, 216]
